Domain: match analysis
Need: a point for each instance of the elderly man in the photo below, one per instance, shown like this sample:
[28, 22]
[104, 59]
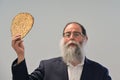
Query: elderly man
[72, 65]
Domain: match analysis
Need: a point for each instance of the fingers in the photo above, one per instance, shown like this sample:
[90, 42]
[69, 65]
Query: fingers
[16, 41]
[16, 37]
[21, 44]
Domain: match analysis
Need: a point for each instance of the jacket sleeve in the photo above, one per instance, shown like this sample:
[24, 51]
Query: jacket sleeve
[20, 72]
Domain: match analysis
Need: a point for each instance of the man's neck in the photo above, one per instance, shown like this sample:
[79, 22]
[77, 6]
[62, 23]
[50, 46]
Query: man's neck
[75, 63]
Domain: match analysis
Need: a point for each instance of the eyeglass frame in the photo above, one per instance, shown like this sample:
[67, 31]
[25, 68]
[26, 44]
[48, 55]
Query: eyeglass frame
[75, 34]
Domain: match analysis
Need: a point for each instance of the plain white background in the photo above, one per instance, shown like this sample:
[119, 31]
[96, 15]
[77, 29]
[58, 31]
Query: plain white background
[101, 19]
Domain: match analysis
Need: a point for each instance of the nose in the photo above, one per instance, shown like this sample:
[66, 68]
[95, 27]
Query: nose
[71, 36]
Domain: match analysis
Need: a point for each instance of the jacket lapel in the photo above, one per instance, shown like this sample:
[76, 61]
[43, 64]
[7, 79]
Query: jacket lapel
[65, 72]
[63, 69]
[86, 73]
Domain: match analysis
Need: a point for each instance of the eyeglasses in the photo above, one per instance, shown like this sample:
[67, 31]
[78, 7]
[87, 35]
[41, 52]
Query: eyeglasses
[75, 34]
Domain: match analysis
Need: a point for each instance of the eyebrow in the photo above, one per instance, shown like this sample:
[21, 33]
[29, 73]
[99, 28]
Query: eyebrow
[73, 32]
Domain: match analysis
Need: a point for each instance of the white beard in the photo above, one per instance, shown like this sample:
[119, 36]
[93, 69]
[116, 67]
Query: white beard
[71, 53]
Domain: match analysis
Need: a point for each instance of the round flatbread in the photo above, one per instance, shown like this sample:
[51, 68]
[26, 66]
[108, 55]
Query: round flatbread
[22, 24]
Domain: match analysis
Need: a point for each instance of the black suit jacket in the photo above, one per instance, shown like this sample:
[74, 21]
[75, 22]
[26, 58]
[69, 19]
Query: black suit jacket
[56, 69]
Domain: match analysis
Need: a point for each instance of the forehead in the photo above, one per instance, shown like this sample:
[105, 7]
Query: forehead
[73, 27]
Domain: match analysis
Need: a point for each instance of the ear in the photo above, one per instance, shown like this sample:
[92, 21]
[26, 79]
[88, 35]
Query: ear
[85, 39]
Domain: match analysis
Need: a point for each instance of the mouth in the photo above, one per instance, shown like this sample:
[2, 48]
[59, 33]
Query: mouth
[72, 44]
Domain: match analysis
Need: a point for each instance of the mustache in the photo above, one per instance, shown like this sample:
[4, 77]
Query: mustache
[72, 43]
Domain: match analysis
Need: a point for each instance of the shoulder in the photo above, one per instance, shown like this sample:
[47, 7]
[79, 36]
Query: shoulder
[98, 69]
[95, 65]
[52, 60]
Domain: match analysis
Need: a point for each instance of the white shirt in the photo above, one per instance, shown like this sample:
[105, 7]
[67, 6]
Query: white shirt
[74, 72]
